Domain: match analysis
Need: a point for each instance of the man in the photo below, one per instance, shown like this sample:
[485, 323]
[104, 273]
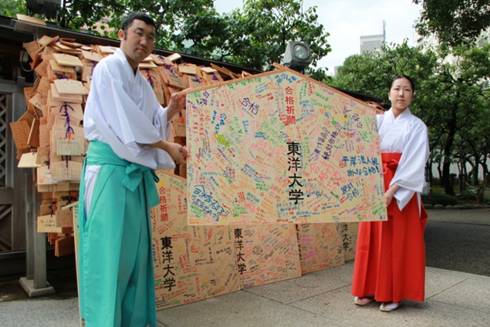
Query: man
[126, 127]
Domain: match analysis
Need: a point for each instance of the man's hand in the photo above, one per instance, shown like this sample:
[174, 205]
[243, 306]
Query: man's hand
[175, 104]
[177, 152]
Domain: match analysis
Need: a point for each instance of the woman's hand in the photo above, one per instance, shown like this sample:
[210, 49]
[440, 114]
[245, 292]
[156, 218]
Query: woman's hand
[388, 196]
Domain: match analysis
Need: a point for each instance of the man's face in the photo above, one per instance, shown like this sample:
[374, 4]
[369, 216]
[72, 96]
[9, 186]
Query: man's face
[138, 41]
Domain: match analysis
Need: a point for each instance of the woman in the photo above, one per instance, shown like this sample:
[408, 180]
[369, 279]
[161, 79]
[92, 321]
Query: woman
[390, 256]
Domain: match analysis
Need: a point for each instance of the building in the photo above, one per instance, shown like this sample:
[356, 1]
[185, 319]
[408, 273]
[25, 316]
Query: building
[371, 43]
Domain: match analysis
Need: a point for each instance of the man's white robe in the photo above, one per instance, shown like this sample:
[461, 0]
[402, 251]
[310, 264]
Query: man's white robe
[122, 111]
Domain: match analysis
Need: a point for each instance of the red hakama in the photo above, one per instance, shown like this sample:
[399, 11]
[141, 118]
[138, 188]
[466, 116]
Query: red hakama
[390, 255]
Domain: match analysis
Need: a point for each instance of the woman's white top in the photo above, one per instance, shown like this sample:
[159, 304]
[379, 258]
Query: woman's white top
[406, 134]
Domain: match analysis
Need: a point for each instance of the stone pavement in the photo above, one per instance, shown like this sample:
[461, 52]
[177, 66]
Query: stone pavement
[323, 299]
[317, 299]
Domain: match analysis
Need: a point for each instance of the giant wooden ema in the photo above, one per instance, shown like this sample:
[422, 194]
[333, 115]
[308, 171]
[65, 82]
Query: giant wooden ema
[280, 147]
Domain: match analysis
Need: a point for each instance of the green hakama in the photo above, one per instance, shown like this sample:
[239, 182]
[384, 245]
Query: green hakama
[115, 261]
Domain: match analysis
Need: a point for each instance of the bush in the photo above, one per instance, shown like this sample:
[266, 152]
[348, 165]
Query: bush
[439, 198]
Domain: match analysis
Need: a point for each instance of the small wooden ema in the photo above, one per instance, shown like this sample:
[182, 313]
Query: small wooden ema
[42, 69]
[146, 65]
[173, 57]
[149, 58]
[59, 187]
[171, 76]
[57, 109]
[36, 101]
[225, 71]
[210, 75]
[64, 215]
[44, 132]
[190, 69]
[68, 145]
[74, 52]
[208, 70]
[44, 176]
[178, 123]
[105, 50]
[64, 245]
[155, 80]
[194, 81]
[20, 132]
[70, 42]
[75, 98]
[30, 91]
[67, 60]
[36, 60]
[28, 160]
[66, 171]
[30, 19]
[92, 56]
[183, 170]
[43, 86]
[49, 224]
[32, 48]
[157, 59]
[56, 71]
[63, 48]
[69, 87]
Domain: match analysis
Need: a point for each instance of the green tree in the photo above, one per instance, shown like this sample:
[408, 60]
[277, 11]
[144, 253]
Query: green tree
[454, 21]
[254, 36]
[12, 7]
[261, 30]
[449, 97]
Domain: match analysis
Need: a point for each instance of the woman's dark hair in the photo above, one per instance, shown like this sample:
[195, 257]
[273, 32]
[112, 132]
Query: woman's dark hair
[412, 83]
[128, 21]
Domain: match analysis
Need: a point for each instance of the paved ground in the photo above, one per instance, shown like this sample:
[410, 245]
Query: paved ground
[456, 239]
[318, 299]
[459, 240]
[323, 299]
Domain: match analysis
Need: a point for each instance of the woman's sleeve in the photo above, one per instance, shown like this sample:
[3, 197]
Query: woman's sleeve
[410, 174]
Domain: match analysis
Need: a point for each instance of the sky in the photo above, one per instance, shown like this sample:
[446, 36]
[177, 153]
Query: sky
[347, 20]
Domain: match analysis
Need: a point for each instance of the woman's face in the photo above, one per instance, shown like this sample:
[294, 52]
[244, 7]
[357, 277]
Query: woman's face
[401, 94]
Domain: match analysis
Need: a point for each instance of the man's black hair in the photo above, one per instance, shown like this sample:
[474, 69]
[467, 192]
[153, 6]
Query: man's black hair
[128, 21]
[408, 78]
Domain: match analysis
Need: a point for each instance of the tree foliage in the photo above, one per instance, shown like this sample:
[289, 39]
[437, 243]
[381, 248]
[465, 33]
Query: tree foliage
[455, 22]
[12, 7]
[260, 31]
[451, 97]
[254, 36]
